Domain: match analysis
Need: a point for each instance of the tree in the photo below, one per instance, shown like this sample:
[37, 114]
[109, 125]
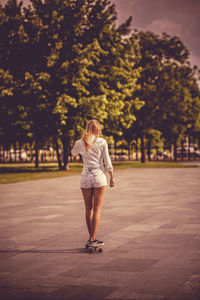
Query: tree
[24, 102]
[13, 127]
[73, 64]
[84, 46]
[155, 53]
[179, 95]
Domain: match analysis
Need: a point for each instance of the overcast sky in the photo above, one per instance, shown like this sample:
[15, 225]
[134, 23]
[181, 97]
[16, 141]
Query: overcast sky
[175, 17]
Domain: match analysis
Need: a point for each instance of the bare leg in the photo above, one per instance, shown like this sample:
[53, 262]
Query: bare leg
[89, 203]
[99, 194]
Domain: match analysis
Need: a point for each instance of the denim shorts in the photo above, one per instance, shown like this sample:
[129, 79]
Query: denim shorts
[93, 178]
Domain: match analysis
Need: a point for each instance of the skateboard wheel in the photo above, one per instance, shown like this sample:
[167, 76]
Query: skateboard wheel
[100, 250]
[90, 251]
[86, 246]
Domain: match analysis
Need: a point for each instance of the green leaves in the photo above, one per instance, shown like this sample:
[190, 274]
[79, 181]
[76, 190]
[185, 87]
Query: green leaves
[7, 92]
[23, 37]
[65, 62]
[6, 83]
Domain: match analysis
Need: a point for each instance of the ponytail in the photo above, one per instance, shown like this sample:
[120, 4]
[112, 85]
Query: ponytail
[86, 139]
[93, 128]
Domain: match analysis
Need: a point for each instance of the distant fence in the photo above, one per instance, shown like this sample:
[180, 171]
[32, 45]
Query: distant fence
[47, 155]
[27, 155]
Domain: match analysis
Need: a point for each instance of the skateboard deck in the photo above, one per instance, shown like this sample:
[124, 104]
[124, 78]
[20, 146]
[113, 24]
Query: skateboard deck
[95, 248]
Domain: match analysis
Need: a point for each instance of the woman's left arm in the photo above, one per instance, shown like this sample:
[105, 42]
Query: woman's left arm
[75, 149]
[106, 157]
[108, 164]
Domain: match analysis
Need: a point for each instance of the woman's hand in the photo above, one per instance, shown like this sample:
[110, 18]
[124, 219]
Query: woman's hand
[112, 182]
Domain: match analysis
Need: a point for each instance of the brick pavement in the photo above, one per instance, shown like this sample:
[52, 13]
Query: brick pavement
[151, 228]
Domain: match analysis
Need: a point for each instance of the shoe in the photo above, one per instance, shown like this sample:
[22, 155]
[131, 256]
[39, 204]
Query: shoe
[100, 242]
[96, 243]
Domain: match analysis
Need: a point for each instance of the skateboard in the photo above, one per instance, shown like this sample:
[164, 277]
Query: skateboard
[95, 248]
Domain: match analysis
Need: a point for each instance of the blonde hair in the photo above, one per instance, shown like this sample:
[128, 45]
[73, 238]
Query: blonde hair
[93, 128]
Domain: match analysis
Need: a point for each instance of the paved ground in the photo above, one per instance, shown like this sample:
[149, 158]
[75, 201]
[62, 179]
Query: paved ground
[150, 223]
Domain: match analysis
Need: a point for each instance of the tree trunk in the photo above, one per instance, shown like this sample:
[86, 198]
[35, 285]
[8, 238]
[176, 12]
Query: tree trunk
[175, 150]
[194, 154]
[15, 151]
[26, 151]
[7, 154]
[36, 154]
[157, 156]
[10, 154]
[42, 155]
[31, 153]
[189, 143]
[129, 151]
[66, 149]
[142, 149]
[182, 150]
[57, 153]
[171, 151]
[136, 149]
[115, 149]
[3, 154]
[149, 149]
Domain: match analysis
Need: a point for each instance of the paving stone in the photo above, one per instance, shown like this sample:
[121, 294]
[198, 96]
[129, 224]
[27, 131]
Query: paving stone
[129, 265]
[83, 292]
[188, 290]
[150, 224]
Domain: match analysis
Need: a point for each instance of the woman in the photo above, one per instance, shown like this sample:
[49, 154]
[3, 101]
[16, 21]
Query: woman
[94, 151]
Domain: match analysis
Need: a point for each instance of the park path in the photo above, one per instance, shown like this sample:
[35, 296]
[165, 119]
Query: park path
[150, 225]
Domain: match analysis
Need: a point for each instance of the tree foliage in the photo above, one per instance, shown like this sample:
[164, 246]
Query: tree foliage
[73, 64]
[63, 62]
[167, 82]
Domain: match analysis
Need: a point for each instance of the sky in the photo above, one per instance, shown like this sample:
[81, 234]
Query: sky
[175, 17]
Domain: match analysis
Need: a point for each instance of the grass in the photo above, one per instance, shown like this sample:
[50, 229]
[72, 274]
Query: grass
[153, 164]
[10, 173]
